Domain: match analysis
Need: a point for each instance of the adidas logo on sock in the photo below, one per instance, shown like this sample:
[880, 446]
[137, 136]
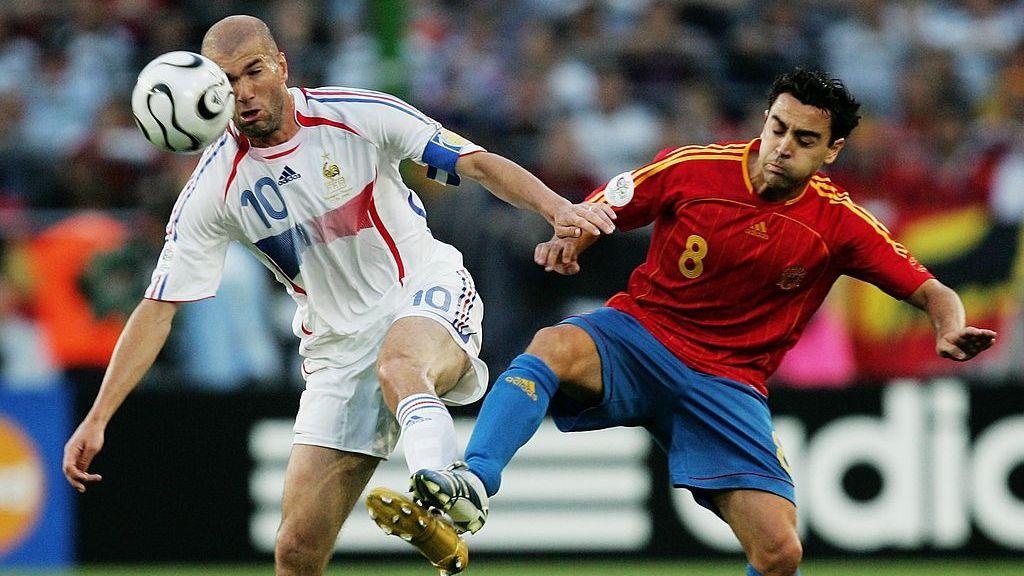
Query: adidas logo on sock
[287, 175]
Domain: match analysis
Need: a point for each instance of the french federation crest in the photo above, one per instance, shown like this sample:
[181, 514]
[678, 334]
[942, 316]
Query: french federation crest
[792, 277]
[334, 182]
[619, 190]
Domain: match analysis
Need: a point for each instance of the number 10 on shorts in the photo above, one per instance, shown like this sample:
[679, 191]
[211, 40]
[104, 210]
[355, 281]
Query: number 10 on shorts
[438, 298]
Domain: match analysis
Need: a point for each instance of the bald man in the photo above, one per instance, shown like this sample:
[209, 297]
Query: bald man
[388, 319]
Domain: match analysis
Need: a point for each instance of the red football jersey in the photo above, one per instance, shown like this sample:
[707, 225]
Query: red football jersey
[730, 280]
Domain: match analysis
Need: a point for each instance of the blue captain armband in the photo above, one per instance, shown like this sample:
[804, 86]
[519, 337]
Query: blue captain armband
[440, 155]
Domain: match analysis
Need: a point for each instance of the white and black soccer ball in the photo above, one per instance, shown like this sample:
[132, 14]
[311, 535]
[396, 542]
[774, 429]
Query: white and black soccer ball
[182, 102]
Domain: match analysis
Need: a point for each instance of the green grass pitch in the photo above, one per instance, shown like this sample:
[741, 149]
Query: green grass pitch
[563, 567]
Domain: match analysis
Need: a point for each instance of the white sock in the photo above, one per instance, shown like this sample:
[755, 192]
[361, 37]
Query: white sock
[428, 433]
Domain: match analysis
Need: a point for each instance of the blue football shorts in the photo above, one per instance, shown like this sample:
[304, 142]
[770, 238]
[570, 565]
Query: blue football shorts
[717, 432]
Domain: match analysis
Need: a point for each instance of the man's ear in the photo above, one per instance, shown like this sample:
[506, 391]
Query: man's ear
[282, 62]
[834, 149]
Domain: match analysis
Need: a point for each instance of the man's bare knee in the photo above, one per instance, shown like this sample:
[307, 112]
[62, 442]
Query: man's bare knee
[777, 557]
[396, 371]
[557, 347]
[299, 552]
[400, 376]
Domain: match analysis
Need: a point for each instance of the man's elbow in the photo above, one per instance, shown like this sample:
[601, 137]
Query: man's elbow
[479, 166]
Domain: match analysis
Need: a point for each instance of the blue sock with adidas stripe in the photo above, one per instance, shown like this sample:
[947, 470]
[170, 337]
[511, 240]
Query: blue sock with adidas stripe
[511, 414]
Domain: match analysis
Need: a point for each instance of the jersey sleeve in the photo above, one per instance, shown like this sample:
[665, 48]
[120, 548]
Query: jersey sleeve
[406, 133]
[638, 196]
[872, 255]
[192, 260]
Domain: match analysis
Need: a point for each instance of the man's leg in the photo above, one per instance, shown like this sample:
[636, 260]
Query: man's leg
[560, 357]
[321, 486]
[765, 525]
[418, 362]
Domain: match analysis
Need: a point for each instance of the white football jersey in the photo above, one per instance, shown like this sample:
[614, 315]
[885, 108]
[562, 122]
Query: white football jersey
[327, 212]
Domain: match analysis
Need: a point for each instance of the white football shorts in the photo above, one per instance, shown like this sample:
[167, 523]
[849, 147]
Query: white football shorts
[343, 407]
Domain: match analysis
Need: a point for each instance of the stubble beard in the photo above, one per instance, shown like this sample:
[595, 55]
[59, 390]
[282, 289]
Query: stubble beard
[265, 128]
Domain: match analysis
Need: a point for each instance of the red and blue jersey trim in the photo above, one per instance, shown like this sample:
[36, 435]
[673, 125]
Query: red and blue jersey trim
[357, 96]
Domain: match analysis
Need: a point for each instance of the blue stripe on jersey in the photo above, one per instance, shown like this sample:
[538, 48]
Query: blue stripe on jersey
[415, 208]
[281, 249]
[374, 101]
[163, 284]
[195, 181]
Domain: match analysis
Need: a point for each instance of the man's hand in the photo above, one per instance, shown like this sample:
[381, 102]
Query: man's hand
[83, 445]
[965, 343]
[558, 255]
[571, 220]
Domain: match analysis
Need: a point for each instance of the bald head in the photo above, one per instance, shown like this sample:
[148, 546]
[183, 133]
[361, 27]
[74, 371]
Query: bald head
[227, 36]
[245, 50]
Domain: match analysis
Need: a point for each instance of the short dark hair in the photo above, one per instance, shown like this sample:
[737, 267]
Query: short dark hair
[816, 88]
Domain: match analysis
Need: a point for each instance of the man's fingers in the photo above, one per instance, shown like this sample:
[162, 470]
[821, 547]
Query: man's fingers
[595, 218]
[571, 268]
[599, 221]
[954, 354]
[77, 477]
[566, 231]
[553, 256]
[974, 345]
[569, 252]
[541, 253]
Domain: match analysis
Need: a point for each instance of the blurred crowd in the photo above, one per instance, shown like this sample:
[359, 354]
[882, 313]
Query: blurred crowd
[574, 90]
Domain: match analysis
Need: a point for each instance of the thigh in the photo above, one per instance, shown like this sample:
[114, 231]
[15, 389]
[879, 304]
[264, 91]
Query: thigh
[615, 380]
[419, 351]
[438, 333]
[572, 355]
[759, 519]
[321, 486]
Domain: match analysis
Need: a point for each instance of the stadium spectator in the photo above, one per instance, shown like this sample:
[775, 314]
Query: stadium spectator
[868, 47]
[618, 131]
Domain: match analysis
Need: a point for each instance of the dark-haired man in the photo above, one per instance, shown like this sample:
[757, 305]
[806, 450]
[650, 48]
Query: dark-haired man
[748, 239]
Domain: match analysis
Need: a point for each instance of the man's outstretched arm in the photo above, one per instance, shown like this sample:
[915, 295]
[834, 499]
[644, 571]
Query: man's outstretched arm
[954, 339]
[515, 185]
[142, 339]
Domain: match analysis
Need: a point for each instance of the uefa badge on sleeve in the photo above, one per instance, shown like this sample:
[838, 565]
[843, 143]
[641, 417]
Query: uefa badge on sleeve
[619, 190]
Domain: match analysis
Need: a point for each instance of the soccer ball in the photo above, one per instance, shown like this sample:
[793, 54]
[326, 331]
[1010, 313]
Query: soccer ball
[182, 102]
